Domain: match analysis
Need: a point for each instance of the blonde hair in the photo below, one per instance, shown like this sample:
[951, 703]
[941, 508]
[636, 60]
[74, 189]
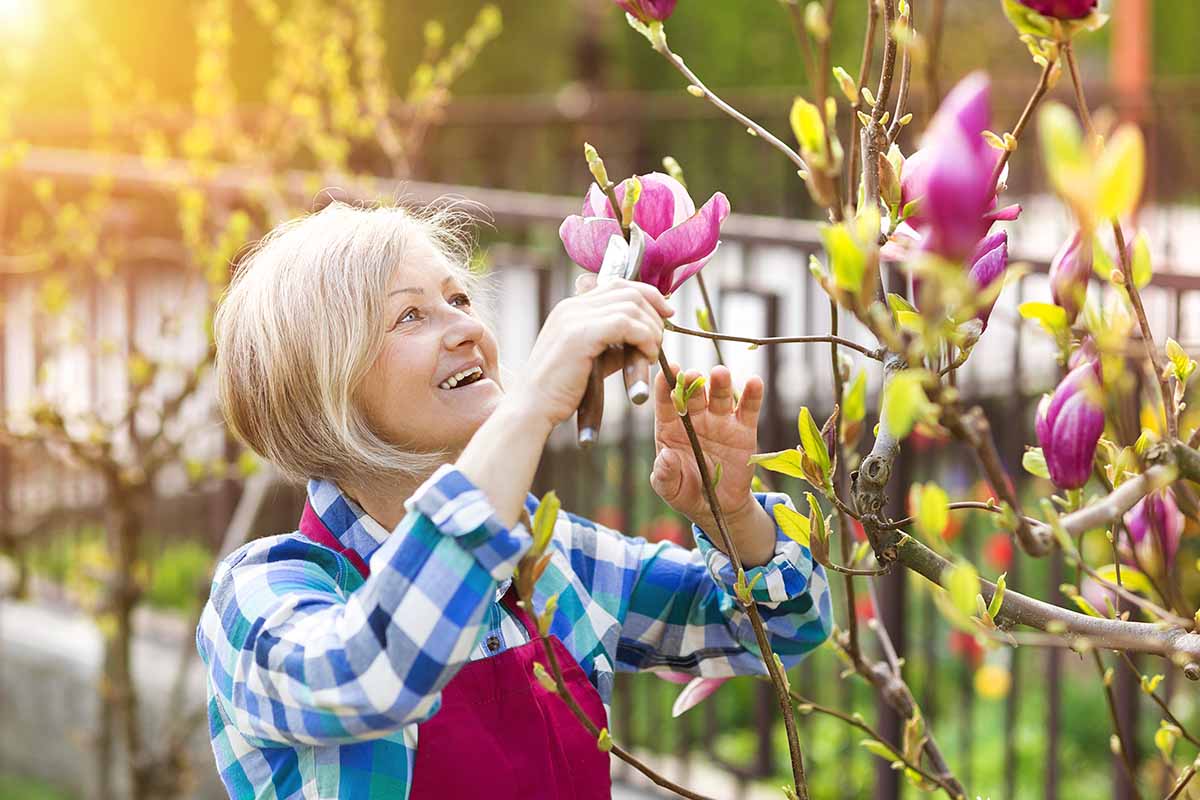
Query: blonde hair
[302, 322]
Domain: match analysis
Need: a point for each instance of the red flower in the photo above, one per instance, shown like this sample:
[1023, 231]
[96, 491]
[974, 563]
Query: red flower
[998, 550]
[964, 644]
[864, 609]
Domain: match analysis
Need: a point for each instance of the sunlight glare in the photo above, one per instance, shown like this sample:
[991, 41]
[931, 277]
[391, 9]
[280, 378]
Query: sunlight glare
[20, 18]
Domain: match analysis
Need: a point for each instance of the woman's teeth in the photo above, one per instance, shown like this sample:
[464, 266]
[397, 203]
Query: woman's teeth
[466, 375]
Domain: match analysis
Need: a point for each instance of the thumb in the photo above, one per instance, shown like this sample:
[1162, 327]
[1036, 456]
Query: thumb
[585, 283]
[666, 478]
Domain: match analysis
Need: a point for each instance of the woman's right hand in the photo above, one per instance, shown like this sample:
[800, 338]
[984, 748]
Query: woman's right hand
[582, 328]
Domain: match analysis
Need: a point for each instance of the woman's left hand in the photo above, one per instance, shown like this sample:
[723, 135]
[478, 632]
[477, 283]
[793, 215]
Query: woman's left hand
[728, 434]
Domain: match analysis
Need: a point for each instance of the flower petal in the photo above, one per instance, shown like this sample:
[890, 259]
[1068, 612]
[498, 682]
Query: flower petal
[586, 239]
[689, 242]
[695, 693]
[663, 205]
[1076, 433]
[596, 203]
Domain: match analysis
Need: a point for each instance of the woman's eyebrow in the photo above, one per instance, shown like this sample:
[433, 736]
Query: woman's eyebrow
[418, 289]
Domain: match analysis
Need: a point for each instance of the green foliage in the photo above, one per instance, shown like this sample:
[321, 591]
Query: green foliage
[179, 575]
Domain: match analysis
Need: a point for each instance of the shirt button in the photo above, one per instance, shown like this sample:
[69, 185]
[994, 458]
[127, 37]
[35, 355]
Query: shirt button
[493, 643]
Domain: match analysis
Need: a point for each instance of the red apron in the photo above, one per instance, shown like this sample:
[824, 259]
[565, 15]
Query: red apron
[499, 734]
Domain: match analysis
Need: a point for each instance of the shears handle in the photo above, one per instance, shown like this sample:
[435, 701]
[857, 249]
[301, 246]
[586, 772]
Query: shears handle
[636, 371]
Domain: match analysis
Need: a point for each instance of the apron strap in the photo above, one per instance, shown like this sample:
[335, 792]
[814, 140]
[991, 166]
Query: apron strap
[512, 603]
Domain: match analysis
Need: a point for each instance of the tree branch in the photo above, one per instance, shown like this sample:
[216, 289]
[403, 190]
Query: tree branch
[726, 337]
[1176, 644]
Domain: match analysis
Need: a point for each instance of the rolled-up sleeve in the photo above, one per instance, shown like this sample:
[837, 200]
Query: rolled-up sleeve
[683, 614]
[294, 657]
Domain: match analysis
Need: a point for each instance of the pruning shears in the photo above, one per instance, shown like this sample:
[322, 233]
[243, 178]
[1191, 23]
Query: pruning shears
[621, 260]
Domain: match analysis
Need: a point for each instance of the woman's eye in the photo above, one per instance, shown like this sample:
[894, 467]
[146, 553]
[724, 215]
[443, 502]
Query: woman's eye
[408, 316]
[461, 298]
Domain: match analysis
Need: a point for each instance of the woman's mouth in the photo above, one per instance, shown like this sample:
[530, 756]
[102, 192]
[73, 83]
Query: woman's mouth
[462, 379]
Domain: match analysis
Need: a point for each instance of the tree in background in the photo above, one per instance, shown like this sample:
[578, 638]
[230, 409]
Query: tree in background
[331, 111]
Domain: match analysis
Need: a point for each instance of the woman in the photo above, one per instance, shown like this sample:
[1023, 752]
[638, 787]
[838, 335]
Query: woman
[377, 651]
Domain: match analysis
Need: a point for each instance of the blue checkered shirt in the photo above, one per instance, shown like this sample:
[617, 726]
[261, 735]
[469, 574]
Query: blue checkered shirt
[319, 678]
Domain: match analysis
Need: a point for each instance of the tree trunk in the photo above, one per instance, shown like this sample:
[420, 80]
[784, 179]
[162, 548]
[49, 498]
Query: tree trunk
[120, 728]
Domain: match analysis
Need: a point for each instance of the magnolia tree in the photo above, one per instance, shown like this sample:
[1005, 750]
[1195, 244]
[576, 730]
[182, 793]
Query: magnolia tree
[331, 108]
[931, 212]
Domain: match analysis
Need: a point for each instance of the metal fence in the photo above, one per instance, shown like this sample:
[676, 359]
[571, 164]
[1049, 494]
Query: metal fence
[760, 286]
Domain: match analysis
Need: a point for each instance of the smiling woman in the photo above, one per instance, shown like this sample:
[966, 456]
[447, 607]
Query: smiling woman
[365, 653]
[353, 274]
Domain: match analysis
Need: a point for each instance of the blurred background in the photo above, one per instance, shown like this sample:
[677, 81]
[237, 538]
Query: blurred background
[143, 146]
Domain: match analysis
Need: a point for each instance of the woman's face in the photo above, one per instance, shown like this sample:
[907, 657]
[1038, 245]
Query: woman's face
[432, 334]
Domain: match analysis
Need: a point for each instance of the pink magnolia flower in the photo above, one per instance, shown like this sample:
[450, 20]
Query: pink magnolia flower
[649, 10]
[950, 177]
[987, 265]
[988, 261]
[1155, 525]
[680, 240]
[1069, 273]
[1069, 424]
[1061, 9]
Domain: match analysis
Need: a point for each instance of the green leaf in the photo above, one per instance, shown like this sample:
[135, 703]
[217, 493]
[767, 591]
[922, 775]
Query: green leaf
[543, 521]
[1181, 363]
[1051, 317]
[1034, 462]
[794, 524]
[1061, 143]
[931, 507]
[846, 84]
[808, 128]
[547, 615]
[816, 520]
[1165, 738]
[899, 303]
[878, 748]
[1120, 173]
[694, 387]
[1085, 606]
[1131, 578]
[1028, 21]
[813, 443]
[1149, 685]
[785, 462]
[854, 399]
[544, 678]
[717, 473]
[998, 597]
[604, 742]
[1142, 267]
[905, 403]
[847, 259]
[703, 320]
[962, 584]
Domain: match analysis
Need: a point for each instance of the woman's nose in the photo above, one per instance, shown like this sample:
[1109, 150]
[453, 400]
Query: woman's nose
[462, 328]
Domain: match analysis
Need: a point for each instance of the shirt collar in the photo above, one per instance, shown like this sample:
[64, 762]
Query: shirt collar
[357, 530]
[354, 528]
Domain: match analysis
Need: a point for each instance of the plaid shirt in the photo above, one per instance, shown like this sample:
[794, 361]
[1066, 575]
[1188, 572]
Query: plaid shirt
[318, 678]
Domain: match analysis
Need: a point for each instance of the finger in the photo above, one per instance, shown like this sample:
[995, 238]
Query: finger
[585, 283]
[666, 478]
[720, 391]
[622, 329]
[651, 295]
[664, 409]
[751, 402]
